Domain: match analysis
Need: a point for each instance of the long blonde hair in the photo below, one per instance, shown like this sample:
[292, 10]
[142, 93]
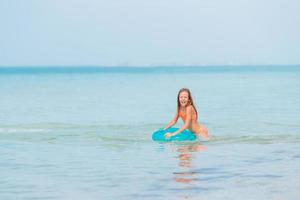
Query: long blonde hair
[190, 100]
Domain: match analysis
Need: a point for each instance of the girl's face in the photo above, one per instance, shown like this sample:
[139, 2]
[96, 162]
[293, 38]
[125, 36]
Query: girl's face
[184, 98]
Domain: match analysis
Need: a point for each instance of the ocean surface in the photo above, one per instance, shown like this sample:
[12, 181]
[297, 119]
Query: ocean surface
[85, 133]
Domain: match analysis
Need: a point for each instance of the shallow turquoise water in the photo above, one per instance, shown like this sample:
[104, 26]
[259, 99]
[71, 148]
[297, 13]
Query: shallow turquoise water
[85, 133]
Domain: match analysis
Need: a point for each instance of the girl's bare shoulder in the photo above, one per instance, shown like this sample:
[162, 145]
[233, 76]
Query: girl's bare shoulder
[189, 108]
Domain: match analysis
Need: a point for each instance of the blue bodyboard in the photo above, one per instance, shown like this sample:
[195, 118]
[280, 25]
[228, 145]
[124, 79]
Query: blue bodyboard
[185, 135]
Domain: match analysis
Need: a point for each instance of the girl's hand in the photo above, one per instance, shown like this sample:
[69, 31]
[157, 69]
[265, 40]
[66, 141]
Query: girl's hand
[168, 135]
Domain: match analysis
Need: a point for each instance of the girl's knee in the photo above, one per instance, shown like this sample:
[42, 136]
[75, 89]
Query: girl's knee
[204, 131]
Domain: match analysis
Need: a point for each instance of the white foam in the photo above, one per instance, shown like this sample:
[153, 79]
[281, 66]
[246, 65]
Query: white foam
[26, 130]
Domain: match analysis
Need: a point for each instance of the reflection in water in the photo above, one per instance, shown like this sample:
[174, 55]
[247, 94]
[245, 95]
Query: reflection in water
[185, 153]
[187, 177]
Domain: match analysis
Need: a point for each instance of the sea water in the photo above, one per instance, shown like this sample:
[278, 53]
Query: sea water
[85, 133]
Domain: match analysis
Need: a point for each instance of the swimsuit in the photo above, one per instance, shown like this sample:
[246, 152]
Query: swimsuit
[183, 116]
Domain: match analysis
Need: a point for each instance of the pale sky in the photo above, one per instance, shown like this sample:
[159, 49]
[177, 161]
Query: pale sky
[143, 33]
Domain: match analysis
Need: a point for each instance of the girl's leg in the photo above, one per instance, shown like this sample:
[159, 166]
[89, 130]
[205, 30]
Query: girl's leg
[202, 132]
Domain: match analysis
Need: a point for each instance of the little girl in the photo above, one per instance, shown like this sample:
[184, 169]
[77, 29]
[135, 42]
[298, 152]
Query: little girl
[188, 113]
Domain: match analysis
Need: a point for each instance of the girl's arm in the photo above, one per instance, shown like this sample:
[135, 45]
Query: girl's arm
[186, 124]
[172, 122]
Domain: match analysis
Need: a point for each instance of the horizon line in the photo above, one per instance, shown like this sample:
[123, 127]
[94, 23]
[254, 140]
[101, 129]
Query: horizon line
[146, 66]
